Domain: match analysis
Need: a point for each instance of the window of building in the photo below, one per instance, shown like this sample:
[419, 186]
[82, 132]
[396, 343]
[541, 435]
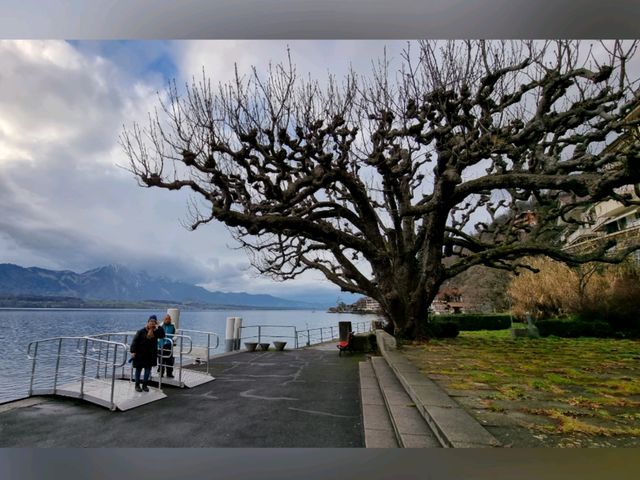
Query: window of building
[622, 223]
[612, 227]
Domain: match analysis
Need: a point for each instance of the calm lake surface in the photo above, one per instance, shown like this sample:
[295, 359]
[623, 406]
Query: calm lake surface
[20, 327]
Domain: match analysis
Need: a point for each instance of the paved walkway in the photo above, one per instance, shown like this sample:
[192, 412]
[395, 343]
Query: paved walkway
[296, 398]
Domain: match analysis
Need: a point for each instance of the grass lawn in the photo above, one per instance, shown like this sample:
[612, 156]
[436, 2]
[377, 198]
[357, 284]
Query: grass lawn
[561, 392]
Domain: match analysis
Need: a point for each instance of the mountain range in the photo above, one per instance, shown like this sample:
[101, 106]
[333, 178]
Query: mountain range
[119, 283]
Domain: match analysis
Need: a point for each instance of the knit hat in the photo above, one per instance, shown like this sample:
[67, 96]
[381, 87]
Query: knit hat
[153, 317]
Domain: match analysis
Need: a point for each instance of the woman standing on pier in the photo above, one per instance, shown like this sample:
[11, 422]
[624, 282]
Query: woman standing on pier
[166, 347]
[144, 351]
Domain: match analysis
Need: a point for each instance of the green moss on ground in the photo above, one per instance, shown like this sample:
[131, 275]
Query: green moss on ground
[591, 386]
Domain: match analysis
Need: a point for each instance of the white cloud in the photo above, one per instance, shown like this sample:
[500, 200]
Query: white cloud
[50, 96]
[65, 202]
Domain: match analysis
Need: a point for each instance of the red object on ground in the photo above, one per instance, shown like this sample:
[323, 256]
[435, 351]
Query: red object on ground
[342, 346]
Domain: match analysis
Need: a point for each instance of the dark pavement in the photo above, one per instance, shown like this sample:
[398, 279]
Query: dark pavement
[295, 398]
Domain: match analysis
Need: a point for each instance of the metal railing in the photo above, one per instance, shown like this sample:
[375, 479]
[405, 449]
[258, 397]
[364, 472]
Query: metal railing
[177, 340]
[263, 332]
[630, 233]
[183, 348]
[186, 345]
[86, 349]
[204, 342]
[310, 336]
[314, 336]
[120, 337]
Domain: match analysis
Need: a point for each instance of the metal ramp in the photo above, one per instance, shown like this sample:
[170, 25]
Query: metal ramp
[189, 347]
[96, 368]
[95, 391]
[183, 377]
[85, 368]
[189, 379]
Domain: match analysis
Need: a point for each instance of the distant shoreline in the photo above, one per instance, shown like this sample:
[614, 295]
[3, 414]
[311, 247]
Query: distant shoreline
[36, 302]
[180, 307]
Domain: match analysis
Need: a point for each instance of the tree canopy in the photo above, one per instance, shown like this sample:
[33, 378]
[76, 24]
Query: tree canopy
[390, 184]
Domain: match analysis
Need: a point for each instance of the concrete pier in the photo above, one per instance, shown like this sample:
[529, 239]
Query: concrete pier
[294, 398]
[308, 397]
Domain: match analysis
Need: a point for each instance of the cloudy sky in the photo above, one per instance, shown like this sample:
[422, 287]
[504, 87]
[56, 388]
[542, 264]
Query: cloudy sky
[65, 200]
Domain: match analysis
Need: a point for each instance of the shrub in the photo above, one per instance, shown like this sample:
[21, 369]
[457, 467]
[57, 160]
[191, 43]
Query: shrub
[550, 292]
[594, 292]
[360, 343]
[364, 343]
[618, 302]
[476, 321]
[373, 342]
[440, 329]
[574, 328]
[449, 329]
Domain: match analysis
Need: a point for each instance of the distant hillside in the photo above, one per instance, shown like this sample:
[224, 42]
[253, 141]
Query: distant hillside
[118, 283]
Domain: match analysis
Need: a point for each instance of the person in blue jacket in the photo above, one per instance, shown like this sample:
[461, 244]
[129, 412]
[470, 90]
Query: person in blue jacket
[166, 347]
[144, 351]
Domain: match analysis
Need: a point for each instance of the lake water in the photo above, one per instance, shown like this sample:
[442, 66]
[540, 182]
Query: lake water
[20, 327]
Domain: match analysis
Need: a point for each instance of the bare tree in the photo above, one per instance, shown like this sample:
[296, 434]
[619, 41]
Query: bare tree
[390, 184]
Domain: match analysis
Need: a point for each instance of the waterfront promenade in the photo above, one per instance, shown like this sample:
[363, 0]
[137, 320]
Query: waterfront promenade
[297, 398]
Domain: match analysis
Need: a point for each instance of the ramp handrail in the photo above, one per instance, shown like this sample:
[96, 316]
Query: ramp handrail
[82, 350]
[162, 354]
[209, 335]
[181, 338]
[109, 335]
[181, 352]
[183, 342]
[132, 334]
[208, 347]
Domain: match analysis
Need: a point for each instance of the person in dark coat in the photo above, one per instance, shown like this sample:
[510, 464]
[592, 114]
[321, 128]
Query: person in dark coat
[144, 351]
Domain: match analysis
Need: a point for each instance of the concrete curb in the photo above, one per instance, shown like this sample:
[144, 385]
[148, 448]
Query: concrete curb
[451, 423]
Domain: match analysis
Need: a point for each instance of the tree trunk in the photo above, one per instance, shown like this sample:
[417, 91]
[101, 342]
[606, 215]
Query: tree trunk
[414, 321]
[407, 311]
